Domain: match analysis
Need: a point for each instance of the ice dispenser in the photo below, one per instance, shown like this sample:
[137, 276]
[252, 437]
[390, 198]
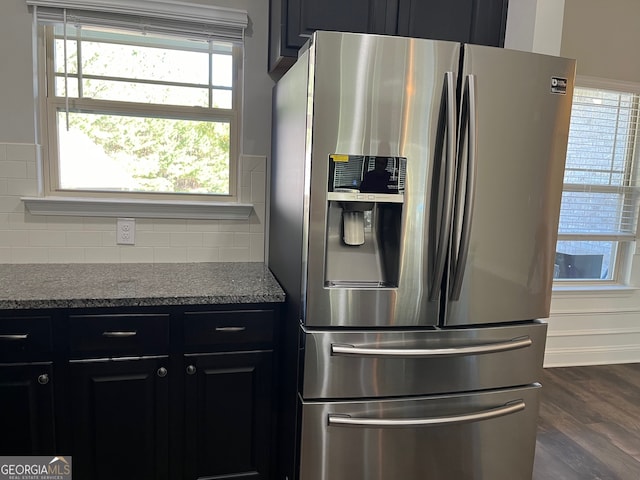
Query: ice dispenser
[365, 198]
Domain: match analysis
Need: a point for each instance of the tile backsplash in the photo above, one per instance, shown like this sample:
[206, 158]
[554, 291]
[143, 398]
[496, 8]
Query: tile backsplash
[26, 238]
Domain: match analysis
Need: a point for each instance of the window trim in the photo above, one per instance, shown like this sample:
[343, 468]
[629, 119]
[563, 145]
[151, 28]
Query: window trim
[55, 201]
[625, 242]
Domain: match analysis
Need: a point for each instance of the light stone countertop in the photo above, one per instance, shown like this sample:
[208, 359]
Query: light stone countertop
[29, 286]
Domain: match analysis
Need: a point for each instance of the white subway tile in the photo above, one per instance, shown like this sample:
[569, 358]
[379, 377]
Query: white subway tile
[22, 187]
[232, 254]
[84, 239]
[217, 239]
[109, 238]
[169, 225]
[14, 238]
[186, 239]
[49, 238]
[29, 255]
[258, 187]
[10, 204]
[202, 225]
[245, 194]
[233, 226]
[102, 255]
[32, 170]
[129, 254]
[256, 248]
[241, 239]
[11, 169]
[66, 255]
[256, 219]
[148, 238]
[64, 223]
[4, 187]
[21, 152]
[5, 255]
[100, 224]
[254, 163]
[3, 152]
[24, 220]
[202, 254]
[169, 254]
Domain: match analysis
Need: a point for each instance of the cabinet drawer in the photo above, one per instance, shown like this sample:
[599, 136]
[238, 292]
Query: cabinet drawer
[229, 330]
[22, 337]
[121, 334]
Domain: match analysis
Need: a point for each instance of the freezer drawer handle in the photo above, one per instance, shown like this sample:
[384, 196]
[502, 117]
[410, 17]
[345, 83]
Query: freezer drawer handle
[506, 409]
[513, 344]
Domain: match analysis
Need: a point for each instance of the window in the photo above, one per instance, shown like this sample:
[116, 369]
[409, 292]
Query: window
[140, 105]
[598, 216]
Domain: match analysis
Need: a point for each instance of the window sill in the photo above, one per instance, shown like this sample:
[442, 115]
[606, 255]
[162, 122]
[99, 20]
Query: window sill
[593, 288]
[106, 207]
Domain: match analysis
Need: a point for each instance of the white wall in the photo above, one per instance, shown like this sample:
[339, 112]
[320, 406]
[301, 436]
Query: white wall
[591, 326]
[25, 238]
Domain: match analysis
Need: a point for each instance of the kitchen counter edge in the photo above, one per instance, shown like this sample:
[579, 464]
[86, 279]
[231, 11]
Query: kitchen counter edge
[41, 286]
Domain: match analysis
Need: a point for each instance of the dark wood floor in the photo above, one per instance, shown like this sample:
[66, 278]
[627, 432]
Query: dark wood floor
[589, 426]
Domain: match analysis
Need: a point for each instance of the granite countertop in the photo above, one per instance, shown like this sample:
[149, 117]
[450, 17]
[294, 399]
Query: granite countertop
[24, 286]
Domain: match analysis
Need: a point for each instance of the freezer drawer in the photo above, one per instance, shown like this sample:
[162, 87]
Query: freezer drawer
[351, 364]
[483, 436]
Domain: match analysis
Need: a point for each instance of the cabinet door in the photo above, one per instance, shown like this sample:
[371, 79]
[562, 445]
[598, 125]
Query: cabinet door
[228, 400]
[118, 414]
[480, 21]
[26, 410]
[293, 22]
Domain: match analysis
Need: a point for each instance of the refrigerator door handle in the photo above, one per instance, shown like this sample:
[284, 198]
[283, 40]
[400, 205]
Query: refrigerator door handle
[449, 161]
[470, 185]
[506, 409]
[513, 344]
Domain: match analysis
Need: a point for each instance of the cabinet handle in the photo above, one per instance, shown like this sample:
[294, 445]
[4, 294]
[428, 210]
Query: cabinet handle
[43, 379]
[132, 333]
[162, 372]
[191, 369]
[17, 336]
[230, 329]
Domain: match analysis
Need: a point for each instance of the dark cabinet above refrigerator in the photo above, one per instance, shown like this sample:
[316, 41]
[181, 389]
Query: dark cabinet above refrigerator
[292, 22]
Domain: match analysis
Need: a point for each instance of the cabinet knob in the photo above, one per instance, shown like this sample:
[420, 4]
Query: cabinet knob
[43, 379]
[191, 369]
[162, 372]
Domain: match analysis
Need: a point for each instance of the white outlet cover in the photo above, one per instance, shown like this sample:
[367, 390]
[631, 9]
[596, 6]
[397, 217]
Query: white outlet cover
[126, 231]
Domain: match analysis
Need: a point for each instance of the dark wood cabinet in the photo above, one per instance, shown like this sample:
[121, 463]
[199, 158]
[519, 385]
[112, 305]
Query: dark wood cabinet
[293, 21]
[228, 404]
[26, 385]
[26, 409]
[482, 22]
[118, 414]
[156, 393]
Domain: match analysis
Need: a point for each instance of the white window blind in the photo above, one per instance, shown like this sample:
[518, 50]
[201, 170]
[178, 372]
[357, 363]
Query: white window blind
[599, 212]
[193, 21]
[600, 197]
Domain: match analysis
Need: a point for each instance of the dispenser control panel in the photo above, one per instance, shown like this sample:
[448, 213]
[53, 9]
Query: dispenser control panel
[366, 178]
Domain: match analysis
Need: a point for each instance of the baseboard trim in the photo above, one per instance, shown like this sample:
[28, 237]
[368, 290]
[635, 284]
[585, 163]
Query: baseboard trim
[571, 357]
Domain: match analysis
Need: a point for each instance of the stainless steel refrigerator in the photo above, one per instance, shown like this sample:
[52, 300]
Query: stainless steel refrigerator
[414, 199]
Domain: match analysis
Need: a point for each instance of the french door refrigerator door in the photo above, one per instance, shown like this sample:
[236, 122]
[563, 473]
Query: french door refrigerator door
[471, 436]
[374, 96]
[512, 146]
